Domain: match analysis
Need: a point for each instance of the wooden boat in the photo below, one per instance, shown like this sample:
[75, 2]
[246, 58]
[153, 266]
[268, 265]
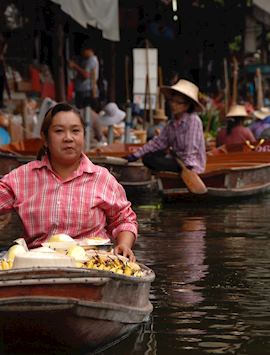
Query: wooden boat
[130, 175]
[228, 175]
[15, 154]
[69, 310]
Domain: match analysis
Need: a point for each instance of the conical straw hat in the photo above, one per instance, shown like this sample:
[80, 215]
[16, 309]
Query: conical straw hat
[237, 111]
[262, 113]
[160, 115]
[186, 88]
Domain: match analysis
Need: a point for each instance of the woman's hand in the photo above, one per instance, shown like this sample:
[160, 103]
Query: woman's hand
[123, 249]
[123, 245]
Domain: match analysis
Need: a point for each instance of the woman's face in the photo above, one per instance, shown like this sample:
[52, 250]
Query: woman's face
[65, 138]
[179, 104]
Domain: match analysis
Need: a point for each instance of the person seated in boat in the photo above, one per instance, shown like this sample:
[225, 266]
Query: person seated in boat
[64, 192]
[261, 123]
[235, 132]
[182, 136]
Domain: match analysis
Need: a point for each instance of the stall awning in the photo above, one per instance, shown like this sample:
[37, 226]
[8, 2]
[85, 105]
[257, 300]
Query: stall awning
[102, 14]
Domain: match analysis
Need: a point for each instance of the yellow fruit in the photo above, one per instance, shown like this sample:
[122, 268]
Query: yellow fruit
[76, 252]
[90, 264]
[134, 266]
[15, 250]
[128, 271]
[119, 271]
[5, 265]
[138, 274]
[60, 238]
[79, 264]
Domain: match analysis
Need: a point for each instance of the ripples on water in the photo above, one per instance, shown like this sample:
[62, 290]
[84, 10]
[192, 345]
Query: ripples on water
[211, 294]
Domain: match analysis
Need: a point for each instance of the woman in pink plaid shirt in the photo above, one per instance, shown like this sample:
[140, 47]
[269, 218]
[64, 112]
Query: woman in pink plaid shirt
[64, 192]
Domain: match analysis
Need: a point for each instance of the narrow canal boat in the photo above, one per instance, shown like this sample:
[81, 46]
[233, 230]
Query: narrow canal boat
[228, 175]
[69, 310]
[130, 175]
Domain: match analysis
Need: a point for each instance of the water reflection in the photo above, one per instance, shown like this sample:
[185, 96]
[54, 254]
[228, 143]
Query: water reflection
[213, 284]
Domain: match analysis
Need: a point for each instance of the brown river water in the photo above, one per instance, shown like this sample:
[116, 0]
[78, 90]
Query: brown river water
[211, 294]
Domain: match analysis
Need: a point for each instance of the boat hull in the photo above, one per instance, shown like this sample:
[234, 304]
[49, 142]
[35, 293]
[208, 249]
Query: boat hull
[60, 331]
[228, 176]
[68, 310]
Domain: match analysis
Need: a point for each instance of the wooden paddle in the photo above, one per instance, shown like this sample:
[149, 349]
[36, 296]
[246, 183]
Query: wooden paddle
[192, 180]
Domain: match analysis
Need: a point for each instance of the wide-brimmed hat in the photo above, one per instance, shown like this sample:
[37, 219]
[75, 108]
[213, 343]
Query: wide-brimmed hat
[262, 113]
[160, 115]
[111, 114]
[237, 111]
[186, 88]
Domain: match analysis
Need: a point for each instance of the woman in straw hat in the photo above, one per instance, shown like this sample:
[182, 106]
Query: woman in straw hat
[182, 136]
[262, 122]
[235, 132]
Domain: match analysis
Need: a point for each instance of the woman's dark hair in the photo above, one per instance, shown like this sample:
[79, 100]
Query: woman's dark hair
[233, 122]
[48, 118]
[191, 107]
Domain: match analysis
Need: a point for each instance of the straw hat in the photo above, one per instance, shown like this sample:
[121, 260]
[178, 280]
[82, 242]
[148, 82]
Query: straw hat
[237, 111]
[160, 115]
[111, 115]
[183, 87]
[262, 113]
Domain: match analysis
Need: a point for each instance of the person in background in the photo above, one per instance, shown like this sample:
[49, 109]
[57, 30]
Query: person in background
[160, 120]
[262, 121]
[64, 192]
[3, 78]
[97, 135]
[235, 132]
[87, 74]
[182, 136]
[111, 117]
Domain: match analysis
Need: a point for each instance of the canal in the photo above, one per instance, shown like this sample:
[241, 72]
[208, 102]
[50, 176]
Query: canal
[211, 294]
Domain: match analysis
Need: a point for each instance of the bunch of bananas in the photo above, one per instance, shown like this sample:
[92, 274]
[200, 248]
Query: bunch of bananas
[5, 264]
[114, 264]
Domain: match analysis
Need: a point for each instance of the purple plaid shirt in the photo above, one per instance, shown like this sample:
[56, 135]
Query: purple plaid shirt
[258, 127]
[185, 137]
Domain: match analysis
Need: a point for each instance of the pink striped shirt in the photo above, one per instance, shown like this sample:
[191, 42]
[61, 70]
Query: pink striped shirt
[90, 203]
[185, 137]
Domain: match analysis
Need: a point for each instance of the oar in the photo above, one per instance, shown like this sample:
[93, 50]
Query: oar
[192, 180]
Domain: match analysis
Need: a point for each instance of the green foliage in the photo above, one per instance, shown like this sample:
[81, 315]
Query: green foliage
[210, 118]
[235, 45]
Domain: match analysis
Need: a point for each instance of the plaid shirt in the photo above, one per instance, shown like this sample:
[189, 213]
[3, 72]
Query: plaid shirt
[258, 127]
[185, 137]
[89, 203]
